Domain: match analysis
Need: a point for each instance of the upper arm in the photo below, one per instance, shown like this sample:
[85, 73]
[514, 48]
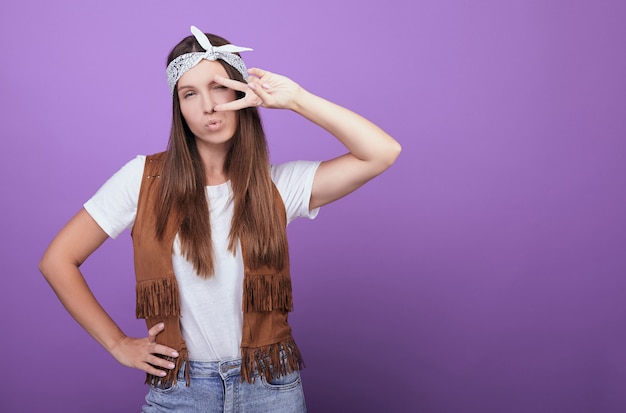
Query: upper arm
[80, 237]
[336, 178]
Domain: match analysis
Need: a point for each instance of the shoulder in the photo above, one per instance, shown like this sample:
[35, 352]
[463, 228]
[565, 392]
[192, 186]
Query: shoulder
[129, 175]
[133, 168]
[155, 160]
[294, 181]
[292, 171]
[114, 205]
[155, 157]
[293, 175]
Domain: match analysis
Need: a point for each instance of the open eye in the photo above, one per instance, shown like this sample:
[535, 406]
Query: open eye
[188, 94]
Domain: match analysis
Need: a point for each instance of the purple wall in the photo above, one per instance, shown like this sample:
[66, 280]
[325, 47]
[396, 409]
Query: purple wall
[485, 272]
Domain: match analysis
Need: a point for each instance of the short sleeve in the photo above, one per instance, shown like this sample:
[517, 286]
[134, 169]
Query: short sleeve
[294, 181]
[114, 205]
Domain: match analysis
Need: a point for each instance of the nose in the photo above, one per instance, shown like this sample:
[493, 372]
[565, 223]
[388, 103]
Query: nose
[207, 103]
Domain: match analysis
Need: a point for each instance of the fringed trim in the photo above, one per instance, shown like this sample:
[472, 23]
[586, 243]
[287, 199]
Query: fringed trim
[271, 361]
[171, 377]
[267, 293]
[158, 298]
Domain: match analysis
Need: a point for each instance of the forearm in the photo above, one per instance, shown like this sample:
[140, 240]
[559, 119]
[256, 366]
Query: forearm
[365, 140]
[371, 150]
[141, 353]
[70, 287]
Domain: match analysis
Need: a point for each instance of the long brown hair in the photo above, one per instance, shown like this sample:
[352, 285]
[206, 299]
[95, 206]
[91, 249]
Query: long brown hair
[256, 219]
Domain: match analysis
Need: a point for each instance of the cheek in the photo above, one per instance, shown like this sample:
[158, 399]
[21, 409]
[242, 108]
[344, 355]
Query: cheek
[187, 110]
[233, 119]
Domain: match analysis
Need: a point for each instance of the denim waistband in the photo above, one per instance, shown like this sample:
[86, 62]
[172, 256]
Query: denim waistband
[199, 369]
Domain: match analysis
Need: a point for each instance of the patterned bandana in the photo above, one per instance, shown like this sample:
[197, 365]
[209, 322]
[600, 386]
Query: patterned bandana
[184, 62]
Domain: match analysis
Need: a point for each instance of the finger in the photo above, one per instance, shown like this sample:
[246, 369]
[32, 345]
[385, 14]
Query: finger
[249, 100]
[164, 350]
[259, 83]
[230, 83]
[234, 105]
[255, 71]
[261, 90]
[152, 370]
[160, 362]
[262, 77]
[155, 330]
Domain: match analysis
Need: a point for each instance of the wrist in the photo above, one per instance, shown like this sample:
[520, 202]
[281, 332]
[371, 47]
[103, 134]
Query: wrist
[114, 343]
[299, 100]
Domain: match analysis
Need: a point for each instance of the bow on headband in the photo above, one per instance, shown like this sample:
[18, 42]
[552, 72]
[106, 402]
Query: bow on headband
[184, 62]
[206, 44]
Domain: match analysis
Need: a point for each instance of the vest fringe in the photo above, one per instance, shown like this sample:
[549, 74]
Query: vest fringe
[271, 361]
[157, 298]
[267, 293]
[171, 377]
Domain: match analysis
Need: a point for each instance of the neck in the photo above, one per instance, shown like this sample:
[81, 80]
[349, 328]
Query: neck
[213, 161]
[212, 178]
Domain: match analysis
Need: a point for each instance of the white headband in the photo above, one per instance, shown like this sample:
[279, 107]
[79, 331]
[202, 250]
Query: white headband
[184, 62]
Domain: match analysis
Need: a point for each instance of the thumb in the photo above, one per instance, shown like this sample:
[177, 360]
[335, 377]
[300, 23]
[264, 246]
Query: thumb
[154, 331]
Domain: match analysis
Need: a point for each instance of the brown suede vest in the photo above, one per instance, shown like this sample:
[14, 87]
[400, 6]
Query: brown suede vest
[267, 346]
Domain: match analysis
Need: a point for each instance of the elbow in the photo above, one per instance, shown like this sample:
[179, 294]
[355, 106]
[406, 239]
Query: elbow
[48, 265]
[385, 159]
[392, 154]
[397, 148]
[44, 265]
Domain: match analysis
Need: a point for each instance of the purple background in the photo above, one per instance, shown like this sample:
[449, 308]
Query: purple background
[485, 272]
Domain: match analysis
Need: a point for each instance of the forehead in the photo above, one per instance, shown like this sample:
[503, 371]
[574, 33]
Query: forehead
[202, 73]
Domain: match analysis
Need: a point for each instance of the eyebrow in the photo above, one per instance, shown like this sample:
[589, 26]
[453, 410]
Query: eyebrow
[181, 87]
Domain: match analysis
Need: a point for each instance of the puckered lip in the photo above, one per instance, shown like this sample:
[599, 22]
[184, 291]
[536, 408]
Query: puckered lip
[212, 123]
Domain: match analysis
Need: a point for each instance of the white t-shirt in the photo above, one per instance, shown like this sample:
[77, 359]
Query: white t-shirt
[211, 310]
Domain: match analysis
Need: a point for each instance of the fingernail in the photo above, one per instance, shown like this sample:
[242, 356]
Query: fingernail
[171, 366]
[252, 86]
[162, 373]
[174, 354]
[266, 86]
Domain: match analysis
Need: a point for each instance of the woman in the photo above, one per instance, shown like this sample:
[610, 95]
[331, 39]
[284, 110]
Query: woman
[208, 220]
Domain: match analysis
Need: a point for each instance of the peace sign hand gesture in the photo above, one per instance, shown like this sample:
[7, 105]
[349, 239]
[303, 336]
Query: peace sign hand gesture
[264, 88]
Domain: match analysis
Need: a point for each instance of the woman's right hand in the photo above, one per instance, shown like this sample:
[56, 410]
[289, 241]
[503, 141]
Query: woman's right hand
[60, 264]
[141, 353]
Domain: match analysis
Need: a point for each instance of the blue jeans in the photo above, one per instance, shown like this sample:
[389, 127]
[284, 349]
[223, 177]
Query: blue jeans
[216, 387]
